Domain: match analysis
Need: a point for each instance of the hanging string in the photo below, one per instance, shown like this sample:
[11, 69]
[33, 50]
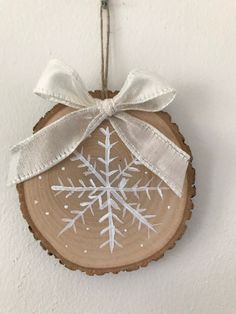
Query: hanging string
[104, 50]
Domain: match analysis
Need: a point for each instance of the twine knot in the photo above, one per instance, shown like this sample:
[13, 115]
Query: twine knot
[107, 107]
[104, 4]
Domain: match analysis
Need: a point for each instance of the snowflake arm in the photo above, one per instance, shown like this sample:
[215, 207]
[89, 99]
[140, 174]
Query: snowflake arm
[71, 222]
[110, 216]
[137, 188]
[86, 162]
[76, 189]
[129, 167]
[142, 219]
[111, 229]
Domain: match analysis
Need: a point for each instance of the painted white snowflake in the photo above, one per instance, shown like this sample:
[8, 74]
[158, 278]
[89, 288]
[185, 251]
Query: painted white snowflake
[110, 189]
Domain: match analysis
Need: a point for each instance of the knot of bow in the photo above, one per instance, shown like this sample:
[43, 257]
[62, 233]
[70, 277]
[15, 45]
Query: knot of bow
[142, 91]
[107, 106]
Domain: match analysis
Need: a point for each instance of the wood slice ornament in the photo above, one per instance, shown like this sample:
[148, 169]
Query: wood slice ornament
[98, 225]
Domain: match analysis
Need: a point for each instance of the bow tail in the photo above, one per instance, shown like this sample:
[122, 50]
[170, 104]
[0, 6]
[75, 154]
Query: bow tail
[153, 149]
[52, 144]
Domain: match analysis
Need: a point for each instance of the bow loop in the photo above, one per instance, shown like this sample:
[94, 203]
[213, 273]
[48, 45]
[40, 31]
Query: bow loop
[144, 91]
[55, 142]
[61, 84]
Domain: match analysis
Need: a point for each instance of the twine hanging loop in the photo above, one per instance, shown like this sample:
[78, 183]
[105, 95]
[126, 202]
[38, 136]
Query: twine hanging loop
[104, 49]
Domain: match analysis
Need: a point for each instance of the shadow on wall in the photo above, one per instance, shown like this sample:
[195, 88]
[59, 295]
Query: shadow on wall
[186, 111]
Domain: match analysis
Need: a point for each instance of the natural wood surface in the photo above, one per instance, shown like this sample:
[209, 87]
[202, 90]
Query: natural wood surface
[44, 211]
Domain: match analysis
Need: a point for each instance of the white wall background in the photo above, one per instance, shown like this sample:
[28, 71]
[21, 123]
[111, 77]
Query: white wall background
[193, 44]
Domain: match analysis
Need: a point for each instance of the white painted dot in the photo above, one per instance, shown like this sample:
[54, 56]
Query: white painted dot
[47, 213]
[66, 246]
[36, 202]
[66, 206]
[146, 172]
[63, 168]
[40, 177]
[125, 230]
[87, 228]
[85, 251]
[168, 206]
[141, 244]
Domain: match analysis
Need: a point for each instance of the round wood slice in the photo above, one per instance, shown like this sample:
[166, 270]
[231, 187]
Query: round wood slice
[79, 232]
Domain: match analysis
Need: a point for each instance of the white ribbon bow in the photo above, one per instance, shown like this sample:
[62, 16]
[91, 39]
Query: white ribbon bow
[52, 144]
